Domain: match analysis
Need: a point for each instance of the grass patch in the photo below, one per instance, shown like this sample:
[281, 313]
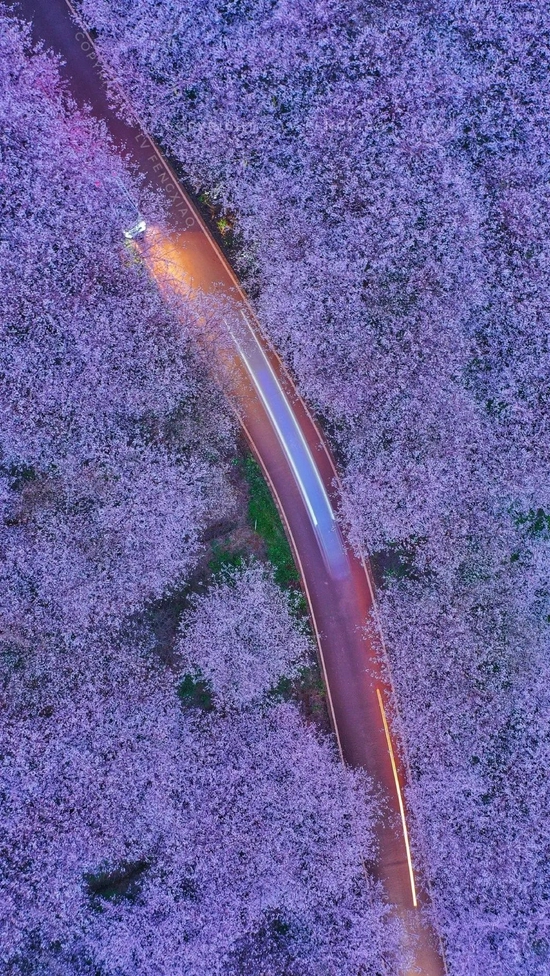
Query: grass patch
[224, 558]
[195, 692]
[265, 520]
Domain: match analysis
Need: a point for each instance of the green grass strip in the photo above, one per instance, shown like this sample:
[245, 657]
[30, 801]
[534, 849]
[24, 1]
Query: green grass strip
[264, 519]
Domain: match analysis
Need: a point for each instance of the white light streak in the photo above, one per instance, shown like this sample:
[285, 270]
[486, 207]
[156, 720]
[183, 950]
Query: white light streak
[274, 420]
[295, 423]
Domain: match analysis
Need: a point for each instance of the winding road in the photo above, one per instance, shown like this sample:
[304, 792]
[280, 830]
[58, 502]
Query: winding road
[298, 467]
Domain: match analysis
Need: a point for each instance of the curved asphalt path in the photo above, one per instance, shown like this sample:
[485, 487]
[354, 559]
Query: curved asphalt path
[299, 469]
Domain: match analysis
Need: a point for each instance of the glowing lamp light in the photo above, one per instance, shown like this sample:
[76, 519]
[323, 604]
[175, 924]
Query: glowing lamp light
[138, 228]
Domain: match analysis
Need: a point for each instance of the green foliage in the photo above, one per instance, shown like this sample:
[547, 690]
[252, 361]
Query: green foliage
[223, 558]
[20, 475]
[300, 609]
[308, 679]
[536, 522]
[223, 225]
[397, 561]
[264, 518]
[308, 691]
[116, 884]
[195, 692]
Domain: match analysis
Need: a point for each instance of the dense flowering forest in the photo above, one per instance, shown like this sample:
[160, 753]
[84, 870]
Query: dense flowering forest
[166, 808]
[386, 171]
[383, 172]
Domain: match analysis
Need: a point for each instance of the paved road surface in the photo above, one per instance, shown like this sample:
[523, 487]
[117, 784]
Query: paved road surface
[300, 472]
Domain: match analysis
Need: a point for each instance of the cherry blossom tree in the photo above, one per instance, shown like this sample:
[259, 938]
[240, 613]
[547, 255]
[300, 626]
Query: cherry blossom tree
[242, 637]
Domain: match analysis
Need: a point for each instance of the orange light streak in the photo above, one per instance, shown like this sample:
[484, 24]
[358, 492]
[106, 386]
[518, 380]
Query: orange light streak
[399, 796]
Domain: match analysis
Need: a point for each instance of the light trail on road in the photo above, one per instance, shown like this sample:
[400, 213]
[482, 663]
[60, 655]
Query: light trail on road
[399, 795]
[296, 449]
